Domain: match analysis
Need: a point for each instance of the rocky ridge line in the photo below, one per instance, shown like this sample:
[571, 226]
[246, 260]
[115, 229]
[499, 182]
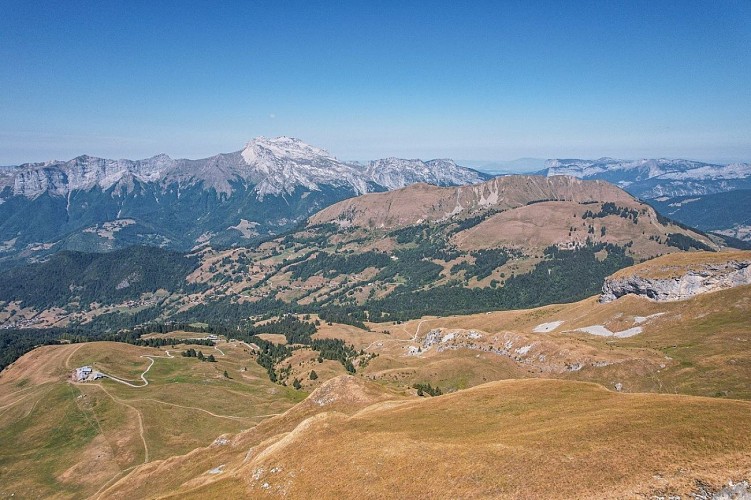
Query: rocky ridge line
[712, 277]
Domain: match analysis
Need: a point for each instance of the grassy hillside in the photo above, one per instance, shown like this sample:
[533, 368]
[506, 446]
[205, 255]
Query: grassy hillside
[627, 398]
[511, 439]
[66, 439]
[522, 256]
[513, 242]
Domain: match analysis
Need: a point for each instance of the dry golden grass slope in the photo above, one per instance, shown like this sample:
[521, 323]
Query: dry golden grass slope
[524, 435]
[423, 202]
[60, 439]
[522, 212]
[632, 398]
[509, 439]
[343, 395]
[676, 265]
[700, 346]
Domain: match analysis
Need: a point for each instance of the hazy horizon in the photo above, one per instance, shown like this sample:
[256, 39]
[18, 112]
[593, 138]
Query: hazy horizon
[521, 164]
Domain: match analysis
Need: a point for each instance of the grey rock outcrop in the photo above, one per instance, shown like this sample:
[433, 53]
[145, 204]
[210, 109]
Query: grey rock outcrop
[711, 278]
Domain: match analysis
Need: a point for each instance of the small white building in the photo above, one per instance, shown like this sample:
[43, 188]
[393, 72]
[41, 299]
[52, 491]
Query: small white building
[85, 373]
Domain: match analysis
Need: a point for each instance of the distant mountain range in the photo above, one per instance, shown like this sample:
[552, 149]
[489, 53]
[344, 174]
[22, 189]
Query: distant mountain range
[518, 166]
[270, 167]
[97, 204]
[275, 184]
[656, 178]
[727, 213]
[719, 193]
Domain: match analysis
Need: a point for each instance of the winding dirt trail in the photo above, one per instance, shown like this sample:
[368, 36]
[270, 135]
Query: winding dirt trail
[19, 399]
[111, 481]
[413, 339]
[140, 420]
[417, 332]
[251, 346]
[143, 375]
[234, 417]
[75, 350]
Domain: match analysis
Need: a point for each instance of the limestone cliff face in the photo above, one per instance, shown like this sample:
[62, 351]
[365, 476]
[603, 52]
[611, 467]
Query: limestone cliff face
[710, 278]
[272, 166]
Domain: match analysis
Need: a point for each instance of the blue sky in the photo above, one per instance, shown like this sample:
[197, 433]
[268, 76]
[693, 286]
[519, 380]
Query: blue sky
[485, 81]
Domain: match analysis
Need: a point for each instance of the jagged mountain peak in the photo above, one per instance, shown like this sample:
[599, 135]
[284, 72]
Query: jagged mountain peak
[279, 165]
[160, 157]
[395, 173]
[276, 166]
[262, 148]
[273, 183]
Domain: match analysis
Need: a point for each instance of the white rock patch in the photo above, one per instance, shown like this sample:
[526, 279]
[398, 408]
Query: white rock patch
[601, 331]
[598, 330]
[220, 441]
[628, 333]
[547, 327]
[523, 350]
[217, 470]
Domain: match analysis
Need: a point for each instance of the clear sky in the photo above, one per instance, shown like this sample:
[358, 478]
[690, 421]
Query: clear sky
[471, 80]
